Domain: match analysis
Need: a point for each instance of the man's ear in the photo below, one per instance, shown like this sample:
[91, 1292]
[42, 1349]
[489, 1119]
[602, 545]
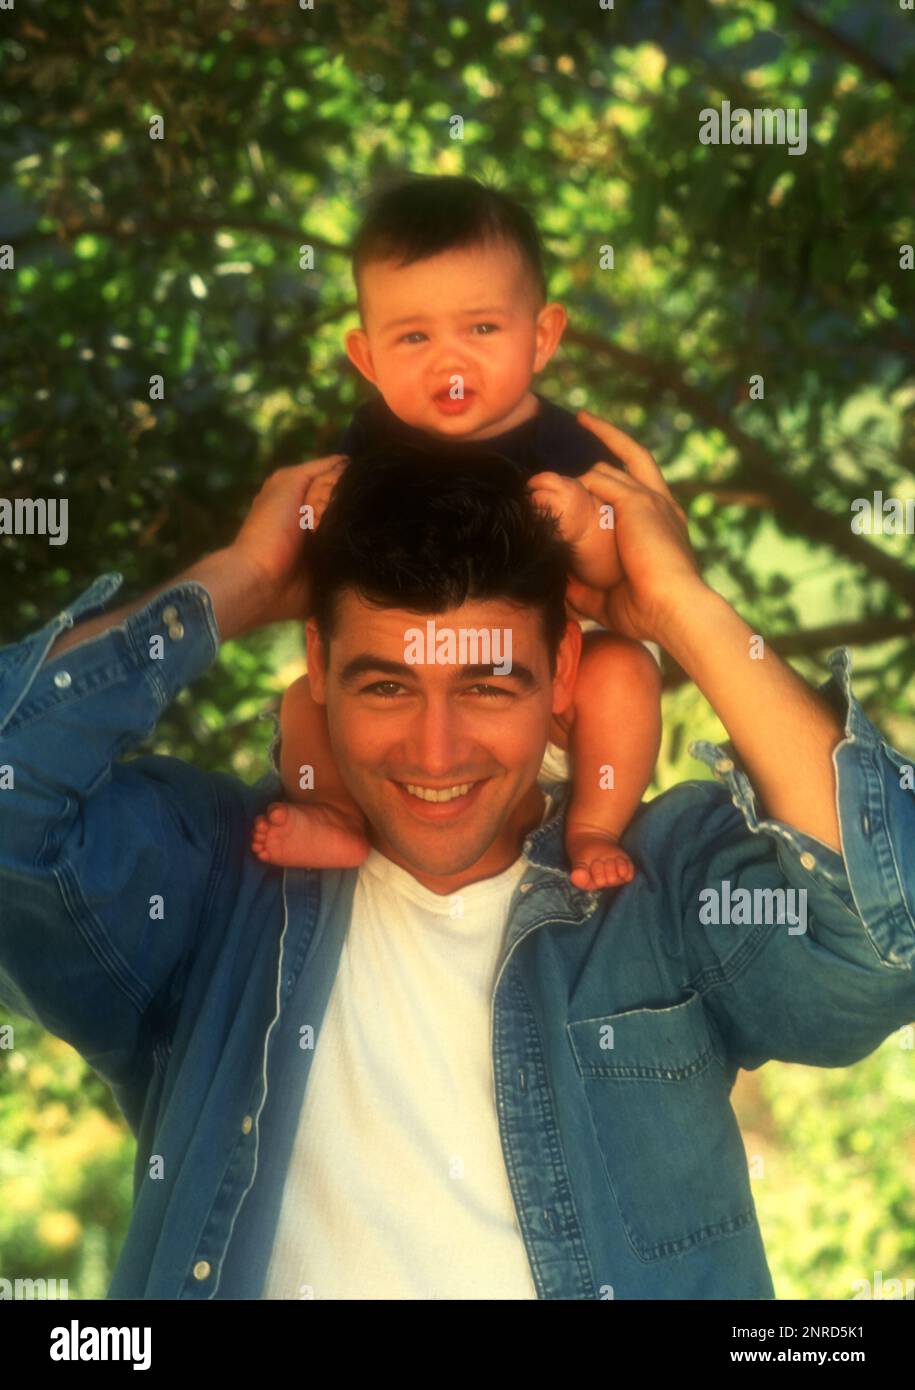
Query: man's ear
[551, 324]
[357, 350]
[567, 659]
[317, 662]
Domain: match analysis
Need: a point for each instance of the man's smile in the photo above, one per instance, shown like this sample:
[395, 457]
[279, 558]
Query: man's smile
[439, 803]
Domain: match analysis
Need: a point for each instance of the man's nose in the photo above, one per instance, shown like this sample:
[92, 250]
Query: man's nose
[437, 742]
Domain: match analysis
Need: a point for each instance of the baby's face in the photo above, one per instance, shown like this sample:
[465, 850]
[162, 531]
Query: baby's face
[466, 314]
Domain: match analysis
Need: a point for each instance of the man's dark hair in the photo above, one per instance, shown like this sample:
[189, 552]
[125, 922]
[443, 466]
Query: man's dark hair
[422, 215]
[427, 532]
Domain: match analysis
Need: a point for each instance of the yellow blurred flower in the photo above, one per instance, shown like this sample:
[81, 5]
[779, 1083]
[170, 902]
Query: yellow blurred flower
[59, 1229]
[21, 1195]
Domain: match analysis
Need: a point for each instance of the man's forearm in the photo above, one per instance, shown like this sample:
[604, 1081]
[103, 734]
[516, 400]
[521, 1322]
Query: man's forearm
[783, 731]
[240, 601]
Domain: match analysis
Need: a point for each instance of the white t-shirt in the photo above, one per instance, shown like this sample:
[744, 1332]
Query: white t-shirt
[397, 1186]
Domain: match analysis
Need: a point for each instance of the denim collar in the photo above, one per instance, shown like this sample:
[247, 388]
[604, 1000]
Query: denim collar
[544, 846]
[544, 849]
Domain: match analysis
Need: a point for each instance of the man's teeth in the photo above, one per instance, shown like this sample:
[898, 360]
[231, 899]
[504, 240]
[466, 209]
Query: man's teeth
[445, 794]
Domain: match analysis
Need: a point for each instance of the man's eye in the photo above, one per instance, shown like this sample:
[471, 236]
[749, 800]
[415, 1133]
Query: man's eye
[384, 691]
[489, 690]
[376, 688]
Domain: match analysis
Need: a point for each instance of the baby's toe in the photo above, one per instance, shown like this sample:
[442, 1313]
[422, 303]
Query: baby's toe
[617, 870]
[599, 873]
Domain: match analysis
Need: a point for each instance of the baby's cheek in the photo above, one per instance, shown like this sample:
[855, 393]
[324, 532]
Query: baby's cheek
[398, 400]
[399, 392]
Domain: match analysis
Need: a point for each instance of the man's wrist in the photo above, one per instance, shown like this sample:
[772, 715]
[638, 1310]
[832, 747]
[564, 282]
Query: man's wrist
[694, 613]
[242, 597]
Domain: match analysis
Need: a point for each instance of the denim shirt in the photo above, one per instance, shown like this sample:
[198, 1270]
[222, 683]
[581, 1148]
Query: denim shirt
[136, 924]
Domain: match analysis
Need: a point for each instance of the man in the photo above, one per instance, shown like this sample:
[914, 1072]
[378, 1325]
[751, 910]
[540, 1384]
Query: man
[340, 1090]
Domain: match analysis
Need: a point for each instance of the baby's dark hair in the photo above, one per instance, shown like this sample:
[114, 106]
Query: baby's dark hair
[421, 215]
[427, 532]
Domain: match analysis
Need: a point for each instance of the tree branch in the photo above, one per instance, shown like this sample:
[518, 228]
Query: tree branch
[760, 470]
[846, 46]
[724, 492]
[126, 229]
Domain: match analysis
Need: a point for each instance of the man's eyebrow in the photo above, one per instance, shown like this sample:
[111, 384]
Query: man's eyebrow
[368, 661]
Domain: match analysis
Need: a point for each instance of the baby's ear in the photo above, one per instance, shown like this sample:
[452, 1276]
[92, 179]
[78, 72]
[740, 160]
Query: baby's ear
[357, 350]
[551, 324]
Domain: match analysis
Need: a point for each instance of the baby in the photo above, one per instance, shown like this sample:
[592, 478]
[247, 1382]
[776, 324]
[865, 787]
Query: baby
[455, 324]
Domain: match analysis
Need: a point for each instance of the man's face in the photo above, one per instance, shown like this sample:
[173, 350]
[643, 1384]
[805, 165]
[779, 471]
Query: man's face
[395, 723]
[468, 313]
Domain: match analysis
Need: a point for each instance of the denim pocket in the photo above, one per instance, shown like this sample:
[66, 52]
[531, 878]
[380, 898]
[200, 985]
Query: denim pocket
[659, 1101]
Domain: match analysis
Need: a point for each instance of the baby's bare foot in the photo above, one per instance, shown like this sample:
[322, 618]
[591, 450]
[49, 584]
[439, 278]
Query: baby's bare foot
[598, 860]
[316, 836]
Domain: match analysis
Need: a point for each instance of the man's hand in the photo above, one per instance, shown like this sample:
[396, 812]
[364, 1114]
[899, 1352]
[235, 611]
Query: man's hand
[271, 542]
[659, 569]
[261, 577]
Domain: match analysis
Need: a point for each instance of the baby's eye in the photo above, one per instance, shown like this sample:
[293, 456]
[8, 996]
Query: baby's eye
[493, 326]
[415, 334]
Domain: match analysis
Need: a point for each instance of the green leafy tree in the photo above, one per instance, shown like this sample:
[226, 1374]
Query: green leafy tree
[163, 348]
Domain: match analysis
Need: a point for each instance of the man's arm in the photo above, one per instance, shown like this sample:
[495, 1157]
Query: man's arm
[817, 964]
[829, 986]
[105, 865]
[794, 960]
[261, 577]
[784, 732]
[237, 593]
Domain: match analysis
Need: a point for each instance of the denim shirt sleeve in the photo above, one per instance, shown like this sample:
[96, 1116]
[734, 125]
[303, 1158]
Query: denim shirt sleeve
[830, 988]
[104, 865]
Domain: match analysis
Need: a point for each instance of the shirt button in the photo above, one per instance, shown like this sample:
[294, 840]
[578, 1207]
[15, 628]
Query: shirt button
[524, 888]
[724, 765]
[202, 1269]
[247, 1125]
[63, 679]
[176, 631]
[808, 861]
[169, 614]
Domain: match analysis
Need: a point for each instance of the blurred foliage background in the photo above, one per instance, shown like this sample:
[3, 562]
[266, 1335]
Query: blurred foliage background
[179, 257]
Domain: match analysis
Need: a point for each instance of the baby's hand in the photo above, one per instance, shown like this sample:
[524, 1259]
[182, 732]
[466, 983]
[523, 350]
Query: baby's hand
[322, 491]
[584, 524]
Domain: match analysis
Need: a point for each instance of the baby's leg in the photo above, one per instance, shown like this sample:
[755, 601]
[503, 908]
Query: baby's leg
[324, 829]
[616, 724]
